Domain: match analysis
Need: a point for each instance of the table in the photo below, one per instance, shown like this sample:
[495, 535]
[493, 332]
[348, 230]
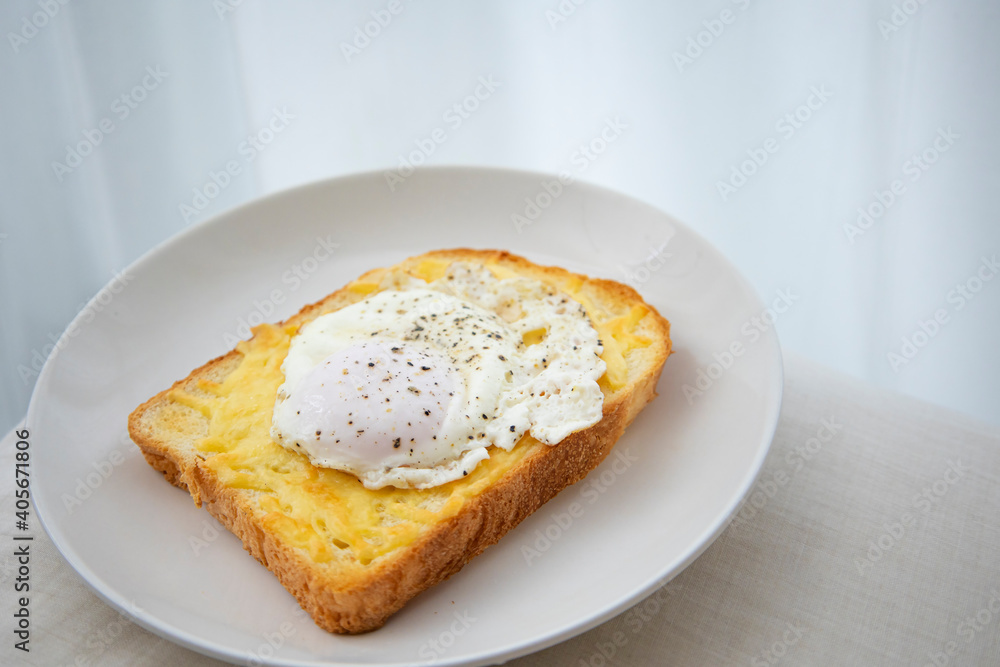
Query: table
[871, 537]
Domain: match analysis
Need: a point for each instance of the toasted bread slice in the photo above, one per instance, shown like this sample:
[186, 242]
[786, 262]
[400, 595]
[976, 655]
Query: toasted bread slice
[345, 588]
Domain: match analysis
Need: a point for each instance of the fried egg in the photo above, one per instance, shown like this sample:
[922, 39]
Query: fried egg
[411, 386]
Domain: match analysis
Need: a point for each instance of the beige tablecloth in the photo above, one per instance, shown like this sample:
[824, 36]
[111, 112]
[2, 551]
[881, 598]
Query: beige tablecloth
[872, 538]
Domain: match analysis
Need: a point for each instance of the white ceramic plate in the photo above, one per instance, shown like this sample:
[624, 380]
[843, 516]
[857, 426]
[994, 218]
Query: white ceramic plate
[144, 547]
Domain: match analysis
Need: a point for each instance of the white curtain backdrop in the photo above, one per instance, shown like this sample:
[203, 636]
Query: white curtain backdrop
[765, 126]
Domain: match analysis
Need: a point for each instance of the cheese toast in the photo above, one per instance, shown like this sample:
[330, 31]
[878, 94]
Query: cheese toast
[352, 556]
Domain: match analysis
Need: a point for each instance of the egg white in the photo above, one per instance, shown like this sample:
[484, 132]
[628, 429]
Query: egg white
[410, 386]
